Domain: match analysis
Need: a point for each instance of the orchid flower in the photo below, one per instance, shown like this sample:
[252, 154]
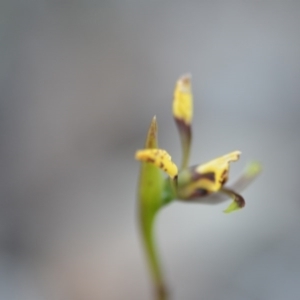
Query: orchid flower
[201, 183]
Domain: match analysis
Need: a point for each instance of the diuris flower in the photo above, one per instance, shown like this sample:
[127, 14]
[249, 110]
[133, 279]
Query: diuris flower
[190, 183]
[205, 182]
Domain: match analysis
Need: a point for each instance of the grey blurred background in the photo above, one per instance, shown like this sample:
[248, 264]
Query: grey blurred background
[80, 82]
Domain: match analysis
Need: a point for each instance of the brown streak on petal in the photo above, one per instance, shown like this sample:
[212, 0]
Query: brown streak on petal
[176, 180]
[210, 176]
[183, 127]
[224, 177]
[239, 200]
[196, 175]
[198, 193]
[201, 192]
[223, 181]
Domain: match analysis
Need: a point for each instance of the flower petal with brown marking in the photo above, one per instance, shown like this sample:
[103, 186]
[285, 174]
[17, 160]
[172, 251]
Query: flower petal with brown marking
[160, 158]
[201, 180]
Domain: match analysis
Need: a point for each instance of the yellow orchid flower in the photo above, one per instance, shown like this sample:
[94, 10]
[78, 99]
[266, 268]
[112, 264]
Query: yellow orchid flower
[200, 180]
[204, 182]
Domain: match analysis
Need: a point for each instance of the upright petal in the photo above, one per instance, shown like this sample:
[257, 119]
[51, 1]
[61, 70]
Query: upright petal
[183, 114]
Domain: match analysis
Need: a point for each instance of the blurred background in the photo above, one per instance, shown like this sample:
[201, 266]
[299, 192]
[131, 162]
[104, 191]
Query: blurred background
[80, 83]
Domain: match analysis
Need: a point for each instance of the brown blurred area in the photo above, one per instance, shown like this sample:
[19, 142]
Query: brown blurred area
[80, 82]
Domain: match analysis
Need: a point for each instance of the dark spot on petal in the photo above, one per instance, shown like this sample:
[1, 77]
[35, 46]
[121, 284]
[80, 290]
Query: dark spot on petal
[199, 193]
[210, 176]
[202, 192]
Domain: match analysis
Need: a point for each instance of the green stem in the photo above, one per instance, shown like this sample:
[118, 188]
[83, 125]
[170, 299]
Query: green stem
[159, 284]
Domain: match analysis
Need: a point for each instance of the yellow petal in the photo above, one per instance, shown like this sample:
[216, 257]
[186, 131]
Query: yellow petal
[183, 100]
[218, 171]
[199, 181]
[159, 158]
